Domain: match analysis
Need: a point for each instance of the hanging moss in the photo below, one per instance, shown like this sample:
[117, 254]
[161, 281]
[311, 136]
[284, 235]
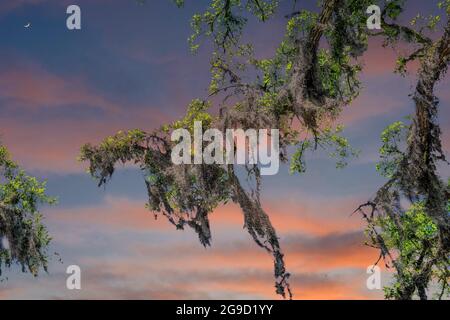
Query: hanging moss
[23, 237]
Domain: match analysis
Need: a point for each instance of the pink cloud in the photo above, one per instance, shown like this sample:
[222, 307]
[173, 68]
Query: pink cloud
[379, 60]
[53, 145]
[34, 88]
[114, 214]
[338, 244]
[239, 271]
[325, 264]
[370, 105]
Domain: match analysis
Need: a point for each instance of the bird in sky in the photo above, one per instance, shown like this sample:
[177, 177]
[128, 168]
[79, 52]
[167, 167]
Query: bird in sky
[27, 25]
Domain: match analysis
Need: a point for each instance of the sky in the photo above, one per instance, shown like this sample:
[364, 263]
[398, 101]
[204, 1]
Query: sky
[130, 67]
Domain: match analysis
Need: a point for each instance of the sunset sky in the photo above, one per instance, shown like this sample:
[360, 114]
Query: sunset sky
[130, 67]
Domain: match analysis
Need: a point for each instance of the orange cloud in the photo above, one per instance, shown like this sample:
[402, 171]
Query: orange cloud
[244, 254]
[149, 277]
[324, 263]
[307, 250]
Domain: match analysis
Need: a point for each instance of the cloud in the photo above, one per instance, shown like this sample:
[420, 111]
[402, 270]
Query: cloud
[47, 117]
[371, 104]
[114, 214]
[123, 251]
[287, 216]
[8, 293]
[118, 280]
[312, 256]
[52, 145]
[33, 89]
[339, 246]
[379, 60]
